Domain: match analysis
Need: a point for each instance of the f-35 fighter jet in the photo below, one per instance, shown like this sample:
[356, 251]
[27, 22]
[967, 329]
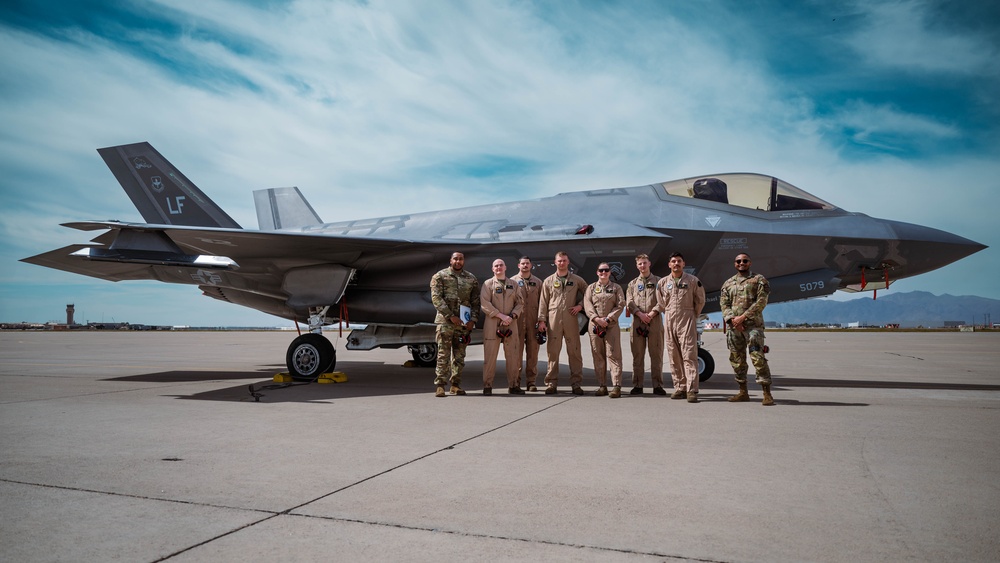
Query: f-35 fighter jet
[377, 271]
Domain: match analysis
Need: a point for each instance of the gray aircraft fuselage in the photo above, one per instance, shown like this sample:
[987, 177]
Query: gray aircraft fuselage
[378, 270]
[804, 253]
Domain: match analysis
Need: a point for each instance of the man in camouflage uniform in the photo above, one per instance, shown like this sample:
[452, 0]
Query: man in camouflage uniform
[502, 301]
[604, 303]
[742, 299]
[647, 328]
[559, 302]
[681, 297]
[452, 288]
[526, 329]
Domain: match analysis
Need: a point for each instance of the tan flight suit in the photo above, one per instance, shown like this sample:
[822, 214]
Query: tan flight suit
[500, 297]
[557, 297]
[641, 296]
[606, 301]
[526, 330]
[681, 303]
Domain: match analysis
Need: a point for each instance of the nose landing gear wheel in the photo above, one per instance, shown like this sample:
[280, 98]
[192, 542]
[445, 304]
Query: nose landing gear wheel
[706, 365]
[309, 356]
[424, 355]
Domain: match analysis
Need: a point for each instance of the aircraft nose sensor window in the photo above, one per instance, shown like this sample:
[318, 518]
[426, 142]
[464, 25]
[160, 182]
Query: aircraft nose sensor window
[753, 191]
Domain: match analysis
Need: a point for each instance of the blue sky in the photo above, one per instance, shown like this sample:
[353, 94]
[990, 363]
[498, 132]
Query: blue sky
[380, 108]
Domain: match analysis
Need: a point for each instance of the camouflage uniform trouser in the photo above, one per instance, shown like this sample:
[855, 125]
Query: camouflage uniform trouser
[451, 354]
[739, 341]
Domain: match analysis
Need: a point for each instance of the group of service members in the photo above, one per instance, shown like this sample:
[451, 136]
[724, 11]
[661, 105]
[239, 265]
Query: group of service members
[522, 312]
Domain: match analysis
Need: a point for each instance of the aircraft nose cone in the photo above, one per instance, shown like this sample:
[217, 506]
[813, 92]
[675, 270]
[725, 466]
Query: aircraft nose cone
[924, 249]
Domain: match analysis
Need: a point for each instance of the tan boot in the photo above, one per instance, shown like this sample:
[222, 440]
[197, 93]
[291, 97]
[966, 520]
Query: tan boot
[439, 392]
[740, 397]
[692, 397]
[616, 392]
[678, 394]
[768, 399]
[456, 390]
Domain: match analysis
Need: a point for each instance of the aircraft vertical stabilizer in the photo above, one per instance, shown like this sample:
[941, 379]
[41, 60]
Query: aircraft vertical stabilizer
[283, 208]
[159, 191]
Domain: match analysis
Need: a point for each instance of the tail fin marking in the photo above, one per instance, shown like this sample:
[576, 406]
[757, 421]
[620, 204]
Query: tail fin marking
[159, 191]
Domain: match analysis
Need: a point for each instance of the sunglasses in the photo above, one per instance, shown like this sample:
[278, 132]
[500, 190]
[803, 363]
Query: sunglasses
[604, 269]
[742, 261]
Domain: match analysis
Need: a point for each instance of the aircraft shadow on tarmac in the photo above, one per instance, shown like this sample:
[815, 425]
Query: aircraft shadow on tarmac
[365, 379]
[373, 379]
[197, 375]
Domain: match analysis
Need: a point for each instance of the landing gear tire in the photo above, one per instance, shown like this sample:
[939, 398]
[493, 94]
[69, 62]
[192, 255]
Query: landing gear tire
[310, 356]
[424, 355]
[706, 365]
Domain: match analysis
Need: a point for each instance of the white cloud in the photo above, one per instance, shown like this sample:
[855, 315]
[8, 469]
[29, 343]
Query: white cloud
[885, 127]
[370, 107]
[901, 35]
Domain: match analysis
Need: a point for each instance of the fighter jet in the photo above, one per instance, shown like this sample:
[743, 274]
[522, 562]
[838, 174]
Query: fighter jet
[376, 272]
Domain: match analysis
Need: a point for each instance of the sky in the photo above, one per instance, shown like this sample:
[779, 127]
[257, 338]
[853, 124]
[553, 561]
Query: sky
[376, 108]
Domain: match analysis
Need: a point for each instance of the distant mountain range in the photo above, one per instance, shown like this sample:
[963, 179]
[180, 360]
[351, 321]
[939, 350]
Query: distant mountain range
[915, 308]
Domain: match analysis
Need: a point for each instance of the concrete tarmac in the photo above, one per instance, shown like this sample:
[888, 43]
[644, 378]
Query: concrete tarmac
[148, 447]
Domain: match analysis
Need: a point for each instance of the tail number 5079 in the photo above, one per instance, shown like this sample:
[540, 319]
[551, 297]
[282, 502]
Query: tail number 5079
[811, 286]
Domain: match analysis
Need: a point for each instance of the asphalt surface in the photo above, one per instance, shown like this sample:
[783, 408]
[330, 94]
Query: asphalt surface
[149, 447]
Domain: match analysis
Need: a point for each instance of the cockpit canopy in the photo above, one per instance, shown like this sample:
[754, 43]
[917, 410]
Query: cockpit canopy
[753, 191]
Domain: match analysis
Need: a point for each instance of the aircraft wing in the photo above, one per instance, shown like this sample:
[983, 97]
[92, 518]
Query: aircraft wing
[281, 273]
[240, 243]
[137, 251]
[277, 273]
[144, 244]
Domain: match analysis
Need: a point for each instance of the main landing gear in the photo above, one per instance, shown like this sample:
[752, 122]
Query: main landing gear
[311, 355]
